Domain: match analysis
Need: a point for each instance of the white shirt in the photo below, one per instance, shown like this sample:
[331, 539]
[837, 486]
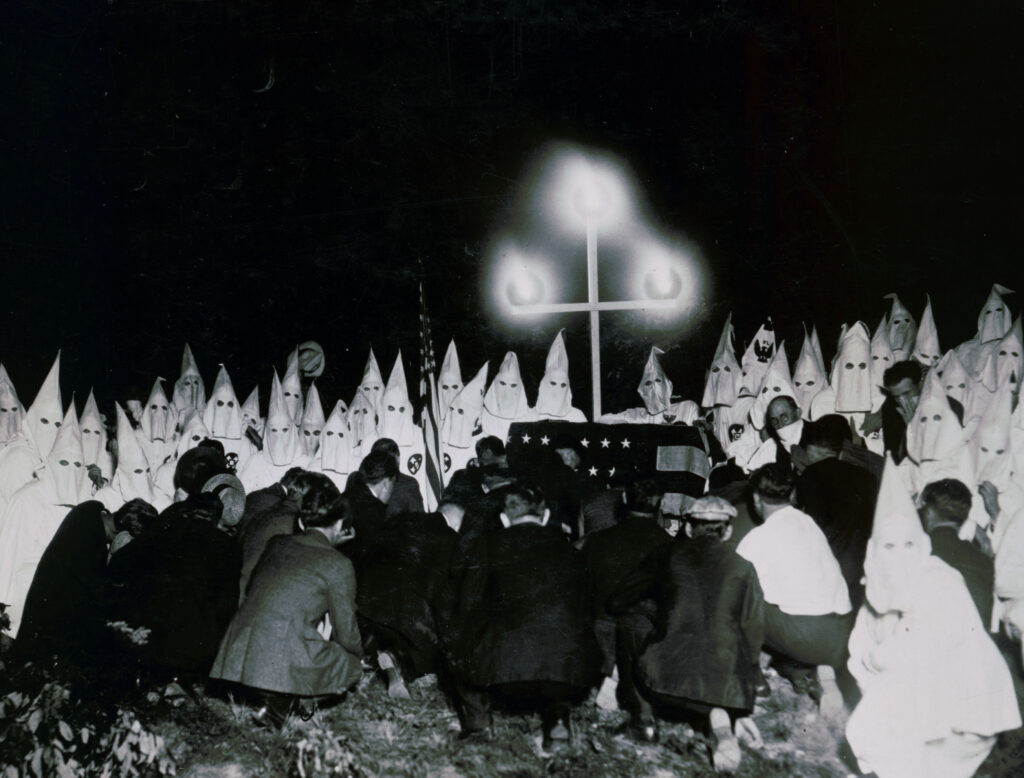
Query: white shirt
[795, 565]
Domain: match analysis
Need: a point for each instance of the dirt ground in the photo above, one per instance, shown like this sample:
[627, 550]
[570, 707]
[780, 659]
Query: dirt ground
[369, 734]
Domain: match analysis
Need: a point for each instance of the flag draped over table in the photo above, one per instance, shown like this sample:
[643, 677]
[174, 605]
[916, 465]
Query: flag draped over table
[430, 413]
[674, 456]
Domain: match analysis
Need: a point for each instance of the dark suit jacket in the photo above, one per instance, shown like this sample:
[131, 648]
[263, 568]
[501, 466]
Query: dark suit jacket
[840, 497]
[406, 497]
[523, 611]
[709, 626]
[272, 642]
[277, 518]
[971, 562]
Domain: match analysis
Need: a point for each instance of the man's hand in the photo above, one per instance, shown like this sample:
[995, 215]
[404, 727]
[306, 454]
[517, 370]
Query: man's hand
[872, 423]
[96, 476]
[990, 497]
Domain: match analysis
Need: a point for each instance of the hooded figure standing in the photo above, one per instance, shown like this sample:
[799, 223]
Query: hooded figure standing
[936, 690]
[26, 452]
[11, 413]
[335, 457]
[461, 427]
[554, 395]
[656, 391]
[133, 477]
[994, 321]
[36, 511]
[189, 390]
[281, 446]
[722, 385]
[505, 400]
[449, 380]
[156, 431]
[223, 419]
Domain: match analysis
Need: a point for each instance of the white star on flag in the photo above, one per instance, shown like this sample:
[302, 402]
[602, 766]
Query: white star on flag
[592, 471]
[611, 472]
[526, 437]
[545, 440]
[605, 443]
[585, 443]
[625, 443]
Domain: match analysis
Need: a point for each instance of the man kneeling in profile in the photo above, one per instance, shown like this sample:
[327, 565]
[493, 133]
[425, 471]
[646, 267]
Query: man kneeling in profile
[521, 621]
[701, 658]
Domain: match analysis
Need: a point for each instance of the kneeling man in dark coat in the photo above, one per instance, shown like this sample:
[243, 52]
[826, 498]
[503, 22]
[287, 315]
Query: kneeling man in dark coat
[522, 621]
[702, 655]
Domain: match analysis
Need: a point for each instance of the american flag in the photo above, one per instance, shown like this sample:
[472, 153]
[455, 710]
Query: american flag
[431, 413]
[675, 456]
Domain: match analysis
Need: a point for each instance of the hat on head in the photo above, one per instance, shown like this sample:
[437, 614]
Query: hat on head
[711, 509]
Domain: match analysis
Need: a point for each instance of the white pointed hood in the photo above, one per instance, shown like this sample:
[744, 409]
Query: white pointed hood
[463, 419]
[189, 390]
[132, 475]
[902, 329]
[554, 394]
[725, 376]
[898, 545]
[66, 464]
[94, 434]
[881, 360]
[281, 436]
[756, 359]
[313, 421]
[809, 377]
[291, 387]
[995, 320]
[449, 380]
[222, 415]
[655, 387]
[934, 433]
[396, 408]
[194, 431]
[12, 414]
[926, 345]
[250, 414]
[777, 382]
[372, 384]
[1009, 355]
[158, 419]
[851, 378]
[990, 444]
[956, 382]
[506, 396]
[336, 453]
[362, 424]
[43, 418]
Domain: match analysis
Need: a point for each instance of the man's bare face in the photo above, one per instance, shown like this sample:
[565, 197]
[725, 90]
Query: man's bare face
[905, 394]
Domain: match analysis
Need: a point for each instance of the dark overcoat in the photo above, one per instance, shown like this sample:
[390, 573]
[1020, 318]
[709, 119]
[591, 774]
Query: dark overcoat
[399, 585]
[523, 611]
[273, 643]
[180, 580]
[64, 610]
[276, 518]
[709, 627]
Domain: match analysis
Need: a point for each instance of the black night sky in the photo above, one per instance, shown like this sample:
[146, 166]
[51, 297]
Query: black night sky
[820, 154]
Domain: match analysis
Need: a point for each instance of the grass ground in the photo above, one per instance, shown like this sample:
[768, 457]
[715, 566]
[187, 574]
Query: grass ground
[369, 734]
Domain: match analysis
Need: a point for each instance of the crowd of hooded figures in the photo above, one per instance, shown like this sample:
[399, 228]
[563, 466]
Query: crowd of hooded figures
[861, 533]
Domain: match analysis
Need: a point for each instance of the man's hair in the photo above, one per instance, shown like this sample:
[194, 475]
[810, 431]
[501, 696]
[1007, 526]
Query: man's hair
[291, 476]
[907, 369]
[387, 445]
[949, 498]
[205, 506]
[134, 516]
[523, 500]
[774, 482]
[784, 398]
[378, 466]
[211, 443]
[322, 507]
[197, 466]
[830, 432]
[492, 445]
[724, 474]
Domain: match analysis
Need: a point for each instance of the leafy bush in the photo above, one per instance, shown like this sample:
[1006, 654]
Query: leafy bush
[46, 733]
